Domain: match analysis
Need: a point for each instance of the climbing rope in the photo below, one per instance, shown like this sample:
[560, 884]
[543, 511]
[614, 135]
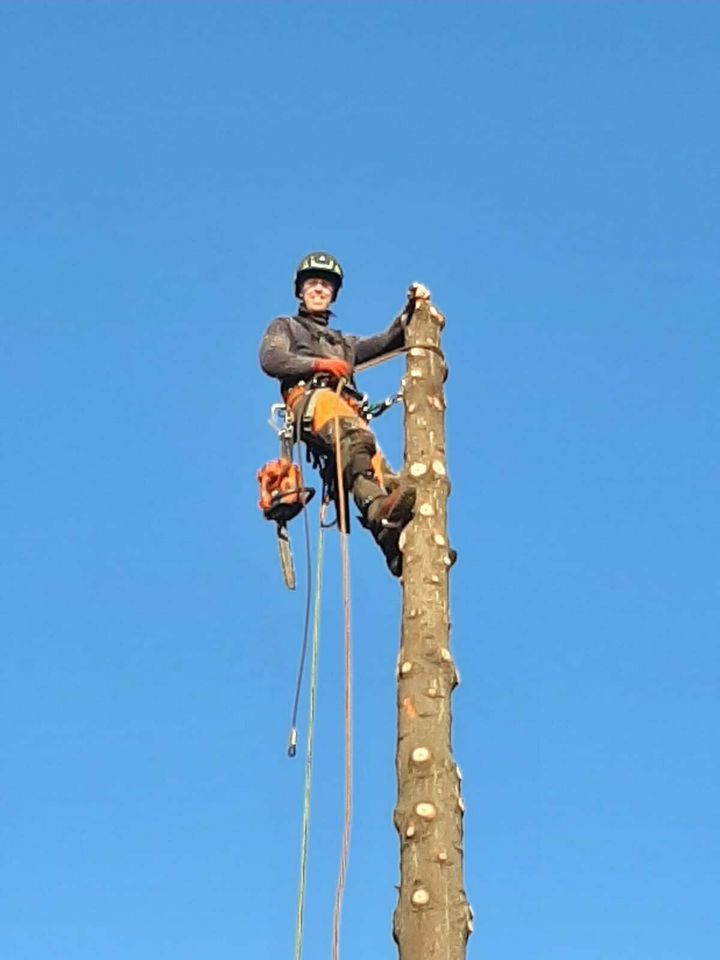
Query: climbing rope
[369, 364]
[314, 657]
[292, 739]
[347, 645]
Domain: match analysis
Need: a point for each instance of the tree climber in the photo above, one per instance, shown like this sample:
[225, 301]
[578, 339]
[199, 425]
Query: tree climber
[309, 359]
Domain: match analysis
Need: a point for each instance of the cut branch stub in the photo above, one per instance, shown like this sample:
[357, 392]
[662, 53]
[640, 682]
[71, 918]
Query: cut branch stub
[421, 897]
[426, 811]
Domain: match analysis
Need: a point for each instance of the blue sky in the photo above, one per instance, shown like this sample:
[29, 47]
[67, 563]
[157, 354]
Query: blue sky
[551, 172]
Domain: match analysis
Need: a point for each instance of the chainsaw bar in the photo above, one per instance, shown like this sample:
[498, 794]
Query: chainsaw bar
[286, 558]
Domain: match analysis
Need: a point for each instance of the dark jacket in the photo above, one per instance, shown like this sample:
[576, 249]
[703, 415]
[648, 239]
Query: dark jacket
[291, 343]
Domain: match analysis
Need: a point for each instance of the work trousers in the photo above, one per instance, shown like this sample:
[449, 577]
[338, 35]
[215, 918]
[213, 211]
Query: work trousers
[366, 472]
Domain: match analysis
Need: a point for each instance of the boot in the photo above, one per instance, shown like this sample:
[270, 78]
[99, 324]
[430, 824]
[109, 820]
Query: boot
[394, 509]
[385, 516]
[388, 539]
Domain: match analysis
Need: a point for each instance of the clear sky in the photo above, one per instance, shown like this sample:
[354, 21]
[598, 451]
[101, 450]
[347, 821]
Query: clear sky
[551, 172]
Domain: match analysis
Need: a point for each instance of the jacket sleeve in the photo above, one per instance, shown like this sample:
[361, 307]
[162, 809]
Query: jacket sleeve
[368, 348]
[277, 357]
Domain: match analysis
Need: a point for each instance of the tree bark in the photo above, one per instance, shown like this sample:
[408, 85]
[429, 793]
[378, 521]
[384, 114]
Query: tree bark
[432, 919]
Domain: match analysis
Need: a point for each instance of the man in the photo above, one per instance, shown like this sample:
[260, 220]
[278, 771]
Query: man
[309, 359]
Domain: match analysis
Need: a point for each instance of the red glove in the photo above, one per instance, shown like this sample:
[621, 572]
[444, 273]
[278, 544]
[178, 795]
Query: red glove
[337, 368]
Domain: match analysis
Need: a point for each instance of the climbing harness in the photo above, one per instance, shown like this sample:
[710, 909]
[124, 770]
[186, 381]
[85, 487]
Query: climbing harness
[283, 493]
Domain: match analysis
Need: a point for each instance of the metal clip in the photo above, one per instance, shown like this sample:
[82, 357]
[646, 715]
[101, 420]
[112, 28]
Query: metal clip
[281, 422]
[377, 409]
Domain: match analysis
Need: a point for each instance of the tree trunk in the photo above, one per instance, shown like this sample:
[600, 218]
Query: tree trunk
[432, 919]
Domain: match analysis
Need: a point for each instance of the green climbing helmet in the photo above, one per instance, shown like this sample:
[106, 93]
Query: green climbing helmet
[322, 265]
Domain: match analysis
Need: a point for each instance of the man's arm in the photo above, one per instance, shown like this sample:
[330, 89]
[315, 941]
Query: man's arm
[369, 348]
[277, 357]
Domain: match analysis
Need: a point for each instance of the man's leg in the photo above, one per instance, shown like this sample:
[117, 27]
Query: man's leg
[385, 503]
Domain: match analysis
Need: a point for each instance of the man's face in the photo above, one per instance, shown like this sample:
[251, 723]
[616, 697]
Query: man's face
[317, 295]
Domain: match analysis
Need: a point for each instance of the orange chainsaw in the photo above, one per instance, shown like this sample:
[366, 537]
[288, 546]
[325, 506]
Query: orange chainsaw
[282, 492]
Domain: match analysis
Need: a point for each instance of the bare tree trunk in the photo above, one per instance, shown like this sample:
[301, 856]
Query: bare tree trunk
[433, 919]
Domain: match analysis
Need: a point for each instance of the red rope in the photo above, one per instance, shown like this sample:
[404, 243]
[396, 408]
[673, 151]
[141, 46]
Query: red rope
[342, 874]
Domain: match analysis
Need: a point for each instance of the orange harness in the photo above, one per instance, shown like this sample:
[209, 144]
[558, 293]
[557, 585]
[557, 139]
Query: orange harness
[326, 405]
